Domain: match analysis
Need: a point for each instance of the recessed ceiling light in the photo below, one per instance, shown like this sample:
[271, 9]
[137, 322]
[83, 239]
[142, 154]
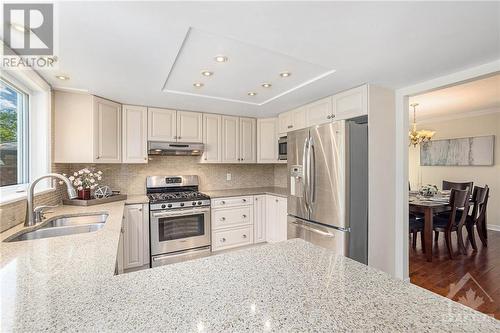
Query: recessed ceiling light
[207, 73]
[266, 85]
[251, 93]
[198, 84]
[285, 74]
[62, 77]
[221, 58]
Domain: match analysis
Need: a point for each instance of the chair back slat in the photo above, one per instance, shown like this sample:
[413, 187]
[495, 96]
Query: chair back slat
[447, 185]
[459, 200]
[482, 203]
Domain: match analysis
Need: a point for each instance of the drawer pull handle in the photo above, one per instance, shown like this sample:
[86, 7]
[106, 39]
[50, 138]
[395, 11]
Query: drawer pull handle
[244, 236]
[223, 202]
[223, 240]
[223, 218]
[244, 200]
[244, 216]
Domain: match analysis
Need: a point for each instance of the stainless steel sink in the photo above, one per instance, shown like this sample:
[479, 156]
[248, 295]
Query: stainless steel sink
[64, 225]
[66, 221]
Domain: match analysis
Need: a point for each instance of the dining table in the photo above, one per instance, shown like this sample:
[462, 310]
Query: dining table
[428, 207]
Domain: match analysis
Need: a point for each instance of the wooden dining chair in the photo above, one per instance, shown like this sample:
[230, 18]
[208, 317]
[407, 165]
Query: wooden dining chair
[459, 202]
[416, 226]
[457, 186]
[477, 218]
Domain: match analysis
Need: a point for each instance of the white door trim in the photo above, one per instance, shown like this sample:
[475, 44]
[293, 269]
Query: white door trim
[402, 95]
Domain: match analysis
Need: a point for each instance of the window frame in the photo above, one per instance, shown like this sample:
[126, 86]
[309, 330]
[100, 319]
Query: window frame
[23, 136]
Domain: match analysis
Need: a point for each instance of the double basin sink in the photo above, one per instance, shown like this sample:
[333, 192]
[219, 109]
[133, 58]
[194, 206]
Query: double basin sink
[62, 226]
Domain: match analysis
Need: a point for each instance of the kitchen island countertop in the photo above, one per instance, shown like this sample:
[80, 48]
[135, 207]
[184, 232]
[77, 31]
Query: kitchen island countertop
[68, 283]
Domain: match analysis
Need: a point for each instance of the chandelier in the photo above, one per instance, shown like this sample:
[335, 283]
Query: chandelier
[417, 137]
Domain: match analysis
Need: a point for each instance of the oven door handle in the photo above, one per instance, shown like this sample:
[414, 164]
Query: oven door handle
[181, 213]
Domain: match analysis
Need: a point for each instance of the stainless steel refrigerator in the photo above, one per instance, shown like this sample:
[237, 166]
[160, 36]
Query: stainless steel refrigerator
[328, 186]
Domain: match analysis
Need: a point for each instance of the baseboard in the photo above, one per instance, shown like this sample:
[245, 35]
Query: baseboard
[493, 227]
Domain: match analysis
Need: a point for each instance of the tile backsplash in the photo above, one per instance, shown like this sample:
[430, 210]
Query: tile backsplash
[131, 178]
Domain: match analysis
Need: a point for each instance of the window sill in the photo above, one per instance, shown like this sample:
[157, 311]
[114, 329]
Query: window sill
[8, 198]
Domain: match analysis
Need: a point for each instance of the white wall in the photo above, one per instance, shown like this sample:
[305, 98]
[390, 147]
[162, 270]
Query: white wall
[456, 128]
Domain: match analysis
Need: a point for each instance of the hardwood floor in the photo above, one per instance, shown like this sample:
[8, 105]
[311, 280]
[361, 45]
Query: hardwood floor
[472, 279]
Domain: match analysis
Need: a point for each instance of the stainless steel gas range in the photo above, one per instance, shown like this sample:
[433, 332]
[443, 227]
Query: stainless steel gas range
[179, 219]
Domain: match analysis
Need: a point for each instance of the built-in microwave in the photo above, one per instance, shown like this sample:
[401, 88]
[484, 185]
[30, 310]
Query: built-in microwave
[282, 148]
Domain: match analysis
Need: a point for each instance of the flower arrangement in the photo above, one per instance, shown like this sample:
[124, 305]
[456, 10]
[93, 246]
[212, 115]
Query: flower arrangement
[85, 179]
[428, 190]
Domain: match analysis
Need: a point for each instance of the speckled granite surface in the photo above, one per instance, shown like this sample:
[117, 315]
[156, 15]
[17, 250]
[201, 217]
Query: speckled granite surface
[67, 284]
[279, 191]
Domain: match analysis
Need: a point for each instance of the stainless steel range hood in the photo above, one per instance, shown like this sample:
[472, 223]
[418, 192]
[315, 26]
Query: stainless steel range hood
[175, 148]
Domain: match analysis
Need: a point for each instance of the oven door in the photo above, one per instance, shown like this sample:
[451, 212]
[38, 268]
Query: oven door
[179, 230]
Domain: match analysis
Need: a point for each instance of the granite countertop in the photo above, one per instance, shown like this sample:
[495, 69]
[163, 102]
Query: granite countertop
[68, 283]
[279, 191]
[136, 199]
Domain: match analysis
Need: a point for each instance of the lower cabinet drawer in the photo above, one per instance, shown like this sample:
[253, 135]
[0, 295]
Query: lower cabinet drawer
[228, 238]
[222, 218]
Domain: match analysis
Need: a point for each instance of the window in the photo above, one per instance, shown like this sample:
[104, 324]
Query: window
[13, 135]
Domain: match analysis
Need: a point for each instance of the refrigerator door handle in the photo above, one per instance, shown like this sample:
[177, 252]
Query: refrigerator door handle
[312, 172]
[322, 233]
[305, 178]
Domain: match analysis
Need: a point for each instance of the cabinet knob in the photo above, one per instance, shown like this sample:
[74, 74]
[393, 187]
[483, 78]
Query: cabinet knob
[145, 158]
[276, 200]
[223, 240]
[244, 216]
[140, 209]
[205, 158]
[244, 236]
[244, 200]
[97, 157]
[179, 138]
[222, 218]
[329, 117]
[223, 202]
[333, 116]
[290, 126]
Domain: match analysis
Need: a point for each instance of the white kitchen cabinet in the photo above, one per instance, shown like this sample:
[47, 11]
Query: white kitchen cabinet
[232, 222]
[135, 236]
[267, 140]
[350, 103]
[189, 126]
[162, 125]
[248, 151]
[87, 129]
[134, 134]
[108, 126]
[212, 138]
[260, 218]
[230, 139]
[319, 112]
[276, 218]
[292, 120]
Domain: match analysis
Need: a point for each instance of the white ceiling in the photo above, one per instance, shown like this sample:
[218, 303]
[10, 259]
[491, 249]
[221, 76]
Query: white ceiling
[125, 50]
[474, 97]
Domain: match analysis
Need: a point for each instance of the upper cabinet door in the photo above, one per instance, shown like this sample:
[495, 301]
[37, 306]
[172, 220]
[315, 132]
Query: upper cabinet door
[285, 122]
[230, 139]
[107, 122]
[212, 138]
[162, 125]
[135, 134]
[319, 112]
[351, 103]
[267, 140]
[299, 118]
[189, 126]
[248, 151]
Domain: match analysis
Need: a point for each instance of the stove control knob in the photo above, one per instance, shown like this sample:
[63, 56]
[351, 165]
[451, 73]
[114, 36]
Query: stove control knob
[199, 203]
[169, 205]
[194, 203]
[163, 206]
[182, 204]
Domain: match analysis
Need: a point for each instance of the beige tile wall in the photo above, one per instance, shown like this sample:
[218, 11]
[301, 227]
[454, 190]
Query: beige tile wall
[131, 178]
[280, 174]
